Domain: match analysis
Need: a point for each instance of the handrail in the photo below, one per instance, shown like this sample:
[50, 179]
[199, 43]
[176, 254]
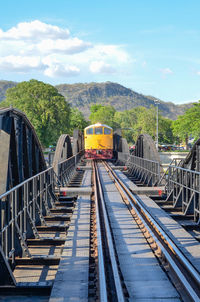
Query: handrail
[172, 163]
[35, 176]
[183, 190]
[26, 205]
[23, 183]
[184, 169]
[146, 170]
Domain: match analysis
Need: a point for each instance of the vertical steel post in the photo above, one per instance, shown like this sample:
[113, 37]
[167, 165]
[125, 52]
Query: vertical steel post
[157, 128]
[12, 227]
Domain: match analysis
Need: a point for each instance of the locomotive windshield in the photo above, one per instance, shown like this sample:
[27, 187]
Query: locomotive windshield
[107, 131]
[89, 131]
[98, 130]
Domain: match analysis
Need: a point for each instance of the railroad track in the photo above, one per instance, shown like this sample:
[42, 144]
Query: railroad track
[110, 284]
[112, 287]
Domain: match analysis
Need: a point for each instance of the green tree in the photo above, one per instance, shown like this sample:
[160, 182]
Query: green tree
[104, 115]
[127, 120]
[165, 131]
[142, 120]
[77, 120]
[188, 124]
[94, 108]
[44, 106]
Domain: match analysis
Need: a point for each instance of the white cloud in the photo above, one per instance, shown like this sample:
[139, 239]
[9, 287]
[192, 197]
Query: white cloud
[166, 71]
[198, 73]
[18, 63]
[117, 58]
[101, 67]
[53, 52]
[113, 52]
[69, 46]
[35, 30]
[58, 70]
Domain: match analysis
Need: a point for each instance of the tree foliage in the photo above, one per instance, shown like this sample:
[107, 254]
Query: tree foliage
[77, 120]
[134, 122]
[142, 120]
[44, 106]
[104, 115]
[188, 124]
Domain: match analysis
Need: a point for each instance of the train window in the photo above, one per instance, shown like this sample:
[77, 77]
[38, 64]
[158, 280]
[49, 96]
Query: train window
[89, 131]
[98, 130]
[107, 131]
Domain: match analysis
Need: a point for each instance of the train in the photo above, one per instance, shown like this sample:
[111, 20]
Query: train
[98, 140]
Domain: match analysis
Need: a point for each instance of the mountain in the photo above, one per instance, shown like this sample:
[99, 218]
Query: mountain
[121, 98]
[83, 95]
[4, 85]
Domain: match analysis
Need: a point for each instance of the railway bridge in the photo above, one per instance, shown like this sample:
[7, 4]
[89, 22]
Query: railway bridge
[82, 230]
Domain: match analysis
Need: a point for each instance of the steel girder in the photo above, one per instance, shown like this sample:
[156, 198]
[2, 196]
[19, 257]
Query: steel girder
[21, 158]
[145, 148]
[63, 151]
[78, 141]
[119, 144]
[192, 160]
[21, 155]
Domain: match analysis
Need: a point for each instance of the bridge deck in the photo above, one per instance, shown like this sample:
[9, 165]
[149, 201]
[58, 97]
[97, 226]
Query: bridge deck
[71, 282]
[142, 274]
[184, 240]
[126, 180]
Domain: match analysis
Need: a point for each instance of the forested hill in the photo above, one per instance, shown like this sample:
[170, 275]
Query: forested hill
[108, 93]
[83, 96]
[4, 85]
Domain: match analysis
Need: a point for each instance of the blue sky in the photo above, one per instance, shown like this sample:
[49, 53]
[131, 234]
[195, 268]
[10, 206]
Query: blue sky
[152, 47]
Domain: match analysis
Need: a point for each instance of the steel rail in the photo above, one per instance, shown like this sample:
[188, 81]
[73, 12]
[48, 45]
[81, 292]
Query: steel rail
[117, 281]
[162, 239]
[101, 267]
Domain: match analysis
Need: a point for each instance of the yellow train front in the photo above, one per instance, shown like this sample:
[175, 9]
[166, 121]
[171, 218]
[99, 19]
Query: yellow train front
[98, 140]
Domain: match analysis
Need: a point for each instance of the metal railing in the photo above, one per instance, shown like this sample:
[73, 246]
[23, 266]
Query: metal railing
[25, 206]
[183, 189]
[66, 168]
[164, 176]
[21, 209]
[145, 170]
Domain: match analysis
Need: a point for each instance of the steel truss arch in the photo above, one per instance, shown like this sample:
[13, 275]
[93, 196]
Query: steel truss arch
[63, 151]
[192, 160]
[78, 141]
[145, 148]
[21, 155]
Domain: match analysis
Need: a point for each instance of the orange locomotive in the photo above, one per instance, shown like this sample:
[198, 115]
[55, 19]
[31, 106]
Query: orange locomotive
[98, 140]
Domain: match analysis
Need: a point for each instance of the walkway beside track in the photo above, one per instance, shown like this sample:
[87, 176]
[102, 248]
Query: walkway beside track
[183, 239]
[143, 277]
[189, 246]
[71, 282]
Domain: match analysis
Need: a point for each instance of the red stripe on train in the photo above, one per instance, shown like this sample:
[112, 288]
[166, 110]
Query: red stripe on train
[99, 154]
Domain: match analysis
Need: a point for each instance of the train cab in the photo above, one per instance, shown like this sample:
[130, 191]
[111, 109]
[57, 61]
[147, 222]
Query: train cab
[98, 140]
